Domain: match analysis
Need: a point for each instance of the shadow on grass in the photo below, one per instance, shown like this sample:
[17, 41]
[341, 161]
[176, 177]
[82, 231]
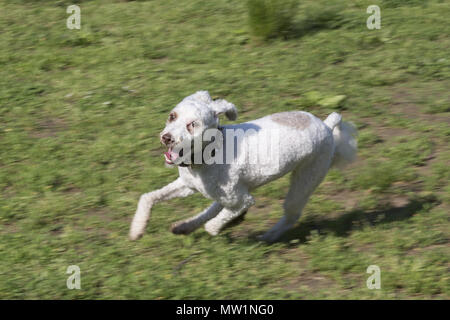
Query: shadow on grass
[343, 224]
[309, 26]
[279, 22]
[315, 20]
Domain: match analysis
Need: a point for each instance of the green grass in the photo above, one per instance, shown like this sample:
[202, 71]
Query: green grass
[80, 113]
[271, 18]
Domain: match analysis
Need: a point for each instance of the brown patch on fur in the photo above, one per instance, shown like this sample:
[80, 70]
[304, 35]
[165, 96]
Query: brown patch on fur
[190, 127]
[172, 116]
[294, 119]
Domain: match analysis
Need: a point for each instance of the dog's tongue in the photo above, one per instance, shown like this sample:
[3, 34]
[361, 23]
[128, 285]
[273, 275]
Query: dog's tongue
[170, 155]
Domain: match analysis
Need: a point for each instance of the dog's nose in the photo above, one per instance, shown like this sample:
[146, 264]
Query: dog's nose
[166, 138]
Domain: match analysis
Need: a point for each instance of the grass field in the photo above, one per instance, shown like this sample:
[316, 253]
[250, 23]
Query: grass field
[80, 114]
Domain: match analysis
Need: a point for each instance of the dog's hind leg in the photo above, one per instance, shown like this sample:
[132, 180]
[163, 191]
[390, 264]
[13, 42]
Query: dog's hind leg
[190, 224]
[173, 190]
[215, 225]
[304, 180]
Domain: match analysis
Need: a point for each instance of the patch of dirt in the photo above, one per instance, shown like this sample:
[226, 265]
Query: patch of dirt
[8, 192]
[57, 230]
[161, 60]
[385, 132]
[102, 214]
[310, 281]
[72, 189]
[348, 199]
[306, 279]
[399, 202]
[404, 103]
[419, 251]
[9, 228]
[97, 229]
[48, 128]
[367, 247]
[426, 169]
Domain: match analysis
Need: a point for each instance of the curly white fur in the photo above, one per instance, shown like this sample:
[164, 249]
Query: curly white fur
[308, 148]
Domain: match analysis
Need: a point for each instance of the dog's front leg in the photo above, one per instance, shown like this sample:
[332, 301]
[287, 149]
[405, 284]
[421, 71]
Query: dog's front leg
[147, 200]
[190, 224]
[225, 216]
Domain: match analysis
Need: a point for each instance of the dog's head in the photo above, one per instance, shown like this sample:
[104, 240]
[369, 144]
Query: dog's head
[189, 120]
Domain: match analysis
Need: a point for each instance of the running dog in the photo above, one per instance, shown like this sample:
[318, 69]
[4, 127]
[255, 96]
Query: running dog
[305, 146]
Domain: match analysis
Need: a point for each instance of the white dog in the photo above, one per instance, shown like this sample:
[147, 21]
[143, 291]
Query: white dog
[305, 146]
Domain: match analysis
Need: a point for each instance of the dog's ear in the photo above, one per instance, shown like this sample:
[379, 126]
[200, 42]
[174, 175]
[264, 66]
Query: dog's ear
[202, 96]
[220, 106]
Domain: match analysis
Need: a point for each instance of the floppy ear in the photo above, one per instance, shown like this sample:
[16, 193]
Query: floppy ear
[202, 96]
[220, 106]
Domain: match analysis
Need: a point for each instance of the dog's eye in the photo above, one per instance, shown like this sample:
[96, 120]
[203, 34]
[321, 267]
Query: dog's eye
[190, 126]
[172, 117]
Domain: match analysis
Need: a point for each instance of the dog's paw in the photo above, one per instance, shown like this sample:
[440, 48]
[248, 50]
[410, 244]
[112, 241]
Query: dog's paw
[268, 237]
[137, 229]
[135, 234]
[211, 228]
[180, 227]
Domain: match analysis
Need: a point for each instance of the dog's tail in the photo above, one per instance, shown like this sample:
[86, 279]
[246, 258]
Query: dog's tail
[344, 134]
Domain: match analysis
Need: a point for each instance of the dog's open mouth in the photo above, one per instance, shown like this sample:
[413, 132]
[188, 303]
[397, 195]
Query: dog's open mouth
[172, 156]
